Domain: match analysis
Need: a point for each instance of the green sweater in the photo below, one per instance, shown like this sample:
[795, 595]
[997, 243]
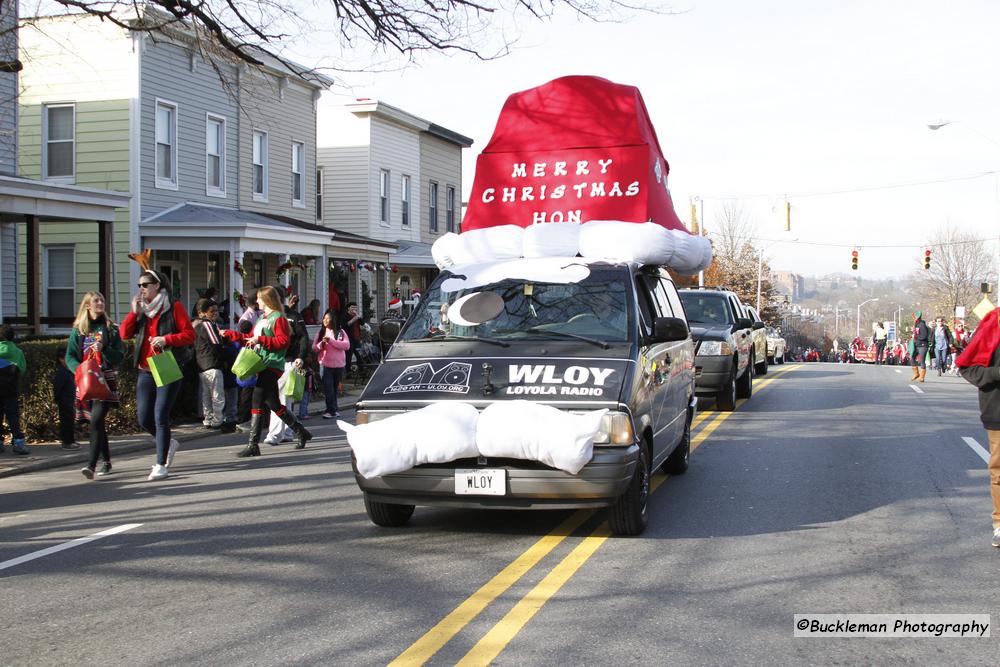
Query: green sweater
[112, 353]
[13, 354]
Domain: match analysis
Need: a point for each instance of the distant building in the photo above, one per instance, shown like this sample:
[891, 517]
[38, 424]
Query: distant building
[788, 284]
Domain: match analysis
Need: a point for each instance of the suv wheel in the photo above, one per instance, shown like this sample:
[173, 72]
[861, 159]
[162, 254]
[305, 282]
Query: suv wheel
[630, 513]
[677, 462]
[761, 368]
[389, 515]
[725, 400]
[744, 385]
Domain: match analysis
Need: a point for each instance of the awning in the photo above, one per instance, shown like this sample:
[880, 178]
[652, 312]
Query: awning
[413, 253]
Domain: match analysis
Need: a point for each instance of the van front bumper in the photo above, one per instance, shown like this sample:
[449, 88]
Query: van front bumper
[712, 374]
[529, 484]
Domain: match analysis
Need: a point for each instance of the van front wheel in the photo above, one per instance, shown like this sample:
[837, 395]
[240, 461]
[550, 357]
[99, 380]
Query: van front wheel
[389, 515]
[630, 513]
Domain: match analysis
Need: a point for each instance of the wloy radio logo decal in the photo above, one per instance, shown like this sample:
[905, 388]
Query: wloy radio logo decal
[453, 378]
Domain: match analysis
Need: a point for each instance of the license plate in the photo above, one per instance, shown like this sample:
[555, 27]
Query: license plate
[480, 481]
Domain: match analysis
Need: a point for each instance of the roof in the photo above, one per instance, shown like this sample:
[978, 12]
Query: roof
[413, 253]
[406, 119]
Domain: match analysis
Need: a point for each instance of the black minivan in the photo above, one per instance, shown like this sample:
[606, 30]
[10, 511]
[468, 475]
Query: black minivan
[612, 335]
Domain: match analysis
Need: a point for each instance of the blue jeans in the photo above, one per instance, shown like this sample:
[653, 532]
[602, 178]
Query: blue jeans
[153, 405]
[331, 378]
[10, 409]
[304, 404]
[941, 358]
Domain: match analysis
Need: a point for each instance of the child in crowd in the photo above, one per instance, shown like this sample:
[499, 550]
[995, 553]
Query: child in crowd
[12, 367]
[309, 368]
[64, 392]
[209, 353]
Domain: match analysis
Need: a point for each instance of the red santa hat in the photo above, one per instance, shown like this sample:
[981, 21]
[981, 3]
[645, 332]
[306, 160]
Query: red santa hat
[395, 304]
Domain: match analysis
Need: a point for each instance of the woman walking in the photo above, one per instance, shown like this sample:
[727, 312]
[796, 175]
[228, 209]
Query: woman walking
[95, 333]
[158, 322]
[920, 343]
[331, 345]
[272, 334]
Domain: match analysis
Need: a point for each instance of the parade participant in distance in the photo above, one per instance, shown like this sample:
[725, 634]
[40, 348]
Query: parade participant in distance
[943, 341]
[980, 365]
[158, 322]
[920, 343]
[272, 336]
[331, 344]
[93, 331]
[880, 337]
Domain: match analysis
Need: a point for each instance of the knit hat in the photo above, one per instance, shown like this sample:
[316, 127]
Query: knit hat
[395, 304]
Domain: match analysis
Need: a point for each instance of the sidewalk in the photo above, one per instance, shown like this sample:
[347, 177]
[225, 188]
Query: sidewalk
[47, 455]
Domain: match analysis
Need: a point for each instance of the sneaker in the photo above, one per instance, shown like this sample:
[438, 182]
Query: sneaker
[158, 472]
[270, 442]
[213, 427]
[996, 537]
[174, 446]
[87, 472]
[327, 415]
[228, 427]
[244, 427]
[18, 446]
[336, 415]
[304, 417]
[70, 446]
[105, 470]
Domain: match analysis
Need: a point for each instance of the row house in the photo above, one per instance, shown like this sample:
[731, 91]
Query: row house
[220, 159]
[389, 175]
[29, 206]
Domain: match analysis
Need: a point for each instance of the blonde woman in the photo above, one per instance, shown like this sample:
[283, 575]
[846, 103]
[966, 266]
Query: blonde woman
[93, 331]
[272, 334]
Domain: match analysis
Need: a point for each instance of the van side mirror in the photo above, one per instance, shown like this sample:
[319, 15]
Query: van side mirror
[758, 325]
[669, 329]
[388, 331]
[742, 323]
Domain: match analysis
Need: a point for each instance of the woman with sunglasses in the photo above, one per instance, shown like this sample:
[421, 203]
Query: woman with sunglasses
[272, 335]
[157, 322]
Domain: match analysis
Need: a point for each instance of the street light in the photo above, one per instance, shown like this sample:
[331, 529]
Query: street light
[857, 333]
[937, 125]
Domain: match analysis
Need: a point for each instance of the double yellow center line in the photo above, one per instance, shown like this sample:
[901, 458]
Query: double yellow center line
[501, 634]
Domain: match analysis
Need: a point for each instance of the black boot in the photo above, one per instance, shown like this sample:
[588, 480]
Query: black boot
[253, 449]
[301, 433]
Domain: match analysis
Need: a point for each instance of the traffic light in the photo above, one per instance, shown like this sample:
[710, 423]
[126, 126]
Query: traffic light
[854, 260]
[927, 258]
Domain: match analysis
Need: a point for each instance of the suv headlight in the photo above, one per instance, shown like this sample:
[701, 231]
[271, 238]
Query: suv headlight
[615, 429]
[715, 348]
[369, 416]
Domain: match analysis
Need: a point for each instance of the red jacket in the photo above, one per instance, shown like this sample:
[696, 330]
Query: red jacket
[183, 337]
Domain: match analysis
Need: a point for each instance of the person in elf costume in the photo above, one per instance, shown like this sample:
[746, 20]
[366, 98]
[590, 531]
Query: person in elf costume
[979, 363]
[272, 336]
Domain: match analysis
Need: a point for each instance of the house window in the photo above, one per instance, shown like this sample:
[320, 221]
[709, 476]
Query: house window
[60, 278]
[298, 169]
[259, 165]
[59, 141]
[319, 194]
[166, 145]
[405, 197]
[214, 273]
[215, 156]
[383, 196]
[432, 199]
[449, 208]
[258, 272]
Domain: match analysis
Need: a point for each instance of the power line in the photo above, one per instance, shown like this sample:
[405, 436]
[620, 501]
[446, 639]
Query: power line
[826, 193]
[864, 245]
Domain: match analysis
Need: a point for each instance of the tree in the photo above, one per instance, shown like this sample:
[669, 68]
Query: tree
[960, 262]
[734, 260]
[258, 32]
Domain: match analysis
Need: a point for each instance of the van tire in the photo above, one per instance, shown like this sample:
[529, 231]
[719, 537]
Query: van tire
[629, 515]
[677, 462]
[389, 515]
[744, 384]
[761, 368]
[725, 400]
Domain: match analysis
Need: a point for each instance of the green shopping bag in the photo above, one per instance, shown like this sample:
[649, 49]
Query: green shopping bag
[164, 368]
[295, 385]
[248, 363]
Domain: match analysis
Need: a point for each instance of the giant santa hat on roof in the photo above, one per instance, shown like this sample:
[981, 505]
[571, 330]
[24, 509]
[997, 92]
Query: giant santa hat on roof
[575, 149]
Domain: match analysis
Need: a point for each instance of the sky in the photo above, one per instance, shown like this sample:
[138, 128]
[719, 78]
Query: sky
[822, 104]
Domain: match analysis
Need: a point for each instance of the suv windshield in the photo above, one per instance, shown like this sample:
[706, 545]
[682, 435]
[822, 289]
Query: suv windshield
[595, 310]
[706, 308]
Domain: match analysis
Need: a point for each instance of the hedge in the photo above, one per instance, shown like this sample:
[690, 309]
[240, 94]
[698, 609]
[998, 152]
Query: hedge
[39, 419]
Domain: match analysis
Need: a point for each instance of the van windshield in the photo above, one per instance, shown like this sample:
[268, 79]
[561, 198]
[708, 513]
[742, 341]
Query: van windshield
[595, 309]
[705, 308]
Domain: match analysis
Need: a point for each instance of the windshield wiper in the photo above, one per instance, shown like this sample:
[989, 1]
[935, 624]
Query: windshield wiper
[566, 334]
[478, 339]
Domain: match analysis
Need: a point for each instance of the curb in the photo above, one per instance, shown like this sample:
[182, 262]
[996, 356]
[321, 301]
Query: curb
[130, 445]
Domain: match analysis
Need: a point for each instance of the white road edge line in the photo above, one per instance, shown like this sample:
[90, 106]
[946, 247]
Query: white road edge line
[898, 371]
[977, 448]
[916, 388]
[67, 545]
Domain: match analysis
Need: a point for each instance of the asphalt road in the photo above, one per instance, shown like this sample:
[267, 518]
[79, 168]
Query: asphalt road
[834, 489]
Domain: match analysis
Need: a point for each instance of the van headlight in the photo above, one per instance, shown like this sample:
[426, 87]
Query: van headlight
[615, 429]
[369, 416]
[715, 348]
